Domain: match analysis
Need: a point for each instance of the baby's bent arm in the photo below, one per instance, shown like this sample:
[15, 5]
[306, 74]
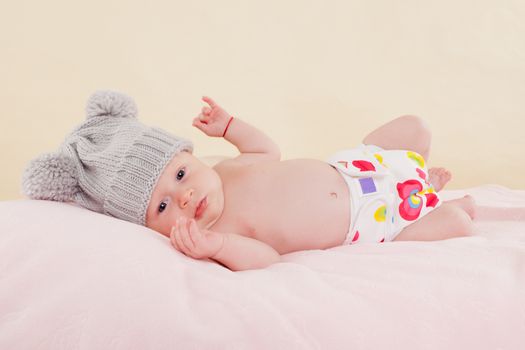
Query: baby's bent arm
[249, 139]
[243, 253]
[252, 143]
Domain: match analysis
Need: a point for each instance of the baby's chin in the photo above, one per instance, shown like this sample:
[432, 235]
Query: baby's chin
[213, 216]
[207, 223]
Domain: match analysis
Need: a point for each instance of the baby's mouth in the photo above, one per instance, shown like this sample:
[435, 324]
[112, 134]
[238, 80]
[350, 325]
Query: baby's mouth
[201, 207]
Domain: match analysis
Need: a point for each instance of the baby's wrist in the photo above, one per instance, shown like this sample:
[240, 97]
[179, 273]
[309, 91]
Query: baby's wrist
[216, 256]
[227, 126]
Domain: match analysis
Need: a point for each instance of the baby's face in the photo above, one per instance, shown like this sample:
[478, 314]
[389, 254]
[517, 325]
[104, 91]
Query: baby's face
[187, 187]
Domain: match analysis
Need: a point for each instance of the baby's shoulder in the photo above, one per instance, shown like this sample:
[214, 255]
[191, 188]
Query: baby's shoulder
[222, 165]
[212, 161]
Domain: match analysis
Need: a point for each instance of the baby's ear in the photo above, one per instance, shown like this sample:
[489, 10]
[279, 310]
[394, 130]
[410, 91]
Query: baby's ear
[110, 104]
[51, 176]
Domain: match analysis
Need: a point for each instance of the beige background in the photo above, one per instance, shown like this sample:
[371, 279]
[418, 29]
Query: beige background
[315, 75]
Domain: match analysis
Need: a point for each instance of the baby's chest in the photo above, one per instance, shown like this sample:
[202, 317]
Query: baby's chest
[288, 212]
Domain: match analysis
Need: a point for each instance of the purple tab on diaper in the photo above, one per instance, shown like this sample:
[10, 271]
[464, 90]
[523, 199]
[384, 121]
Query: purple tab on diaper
[367, 185]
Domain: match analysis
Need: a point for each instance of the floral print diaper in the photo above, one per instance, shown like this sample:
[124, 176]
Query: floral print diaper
[389, 190]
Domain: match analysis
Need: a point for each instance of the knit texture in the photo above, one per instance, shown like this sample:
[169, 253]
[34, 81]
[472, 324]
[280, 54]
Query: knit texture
[109, 164]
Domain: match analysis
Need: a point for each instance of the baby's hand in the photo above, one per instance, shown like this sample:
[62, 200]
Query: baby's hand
[212, 120]
[188, 239]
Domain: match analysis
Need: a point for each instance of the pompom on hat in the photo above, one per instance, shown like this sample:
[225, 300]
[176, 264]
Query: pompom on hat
[109, 164]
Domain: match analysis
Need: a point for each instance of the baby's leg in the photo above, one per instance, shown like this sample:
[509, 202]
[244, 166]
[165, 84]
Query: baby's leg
[451, 219]
[407, 132]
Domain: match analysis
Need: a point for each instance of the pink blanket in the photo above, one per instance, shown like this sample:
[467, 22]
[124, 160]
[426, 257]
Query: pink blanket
[73, 279]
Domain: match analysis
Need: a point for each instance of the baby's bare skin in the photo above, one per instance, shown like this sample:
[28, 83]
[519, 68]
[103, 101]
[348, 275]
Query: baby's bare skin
[246, 211]
[291, 205]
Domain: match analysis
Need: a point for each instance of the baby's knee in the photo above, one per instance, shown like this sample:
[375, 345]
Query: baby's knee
[462, 222]
[418, 124]
[421, 135]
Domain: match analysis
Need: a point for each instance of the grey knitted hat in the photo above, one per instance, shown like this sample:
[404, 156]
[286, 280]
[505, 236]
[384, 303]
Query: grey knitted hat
[109, 164]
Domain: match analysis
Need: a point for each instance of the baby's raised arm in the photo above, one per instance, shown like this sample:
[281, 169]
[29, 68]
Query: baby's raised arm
[251, 142]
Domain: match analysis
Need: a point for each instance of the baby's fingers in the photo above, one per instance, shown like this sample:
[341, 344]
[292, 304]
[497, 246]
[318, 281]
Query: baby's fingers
[174, 240]
[201, 118]
[198, 239]
[209, 101]
[185, 237]
[206, 110]
[195, 233]
[208, 126]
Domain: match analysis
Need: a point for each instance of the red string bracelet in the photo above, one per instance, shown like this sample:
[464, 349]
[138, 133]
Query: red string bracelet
[227, 126]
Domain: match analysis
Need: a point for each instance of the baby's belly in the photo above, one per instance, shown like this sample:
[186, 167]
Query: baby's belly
[295, 205]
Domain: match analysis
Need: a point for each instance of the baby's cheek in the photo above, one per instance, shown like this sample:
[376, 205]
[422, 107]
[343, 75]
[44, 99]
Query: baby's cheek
[161, 226]
[167, 226]
[166, 231]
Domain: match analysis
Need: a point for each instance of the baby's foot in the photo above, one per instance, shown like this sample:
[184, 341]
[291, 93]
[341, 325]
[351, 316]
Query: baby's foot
[439, 177]
[468, 204]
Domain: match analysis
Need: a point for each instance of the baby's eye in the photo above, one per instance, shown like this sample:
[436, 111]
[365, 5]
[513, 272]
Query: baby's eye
[181, 174]
[162, 206]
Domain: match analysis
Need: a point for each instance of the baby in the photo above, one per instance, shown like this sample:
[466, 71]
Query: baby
[247, 211]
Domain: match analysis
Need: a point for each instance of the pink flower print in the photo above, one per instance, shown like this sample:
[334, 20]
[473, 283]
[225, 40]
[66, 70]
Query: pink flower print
[422, 174]
[356, 237]
[411, 192]
[410, 207]
[432, 199]
[364, 165]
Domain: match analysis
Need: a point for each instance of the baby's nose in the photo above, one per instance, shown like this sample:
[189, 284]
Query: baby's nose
[186, 198]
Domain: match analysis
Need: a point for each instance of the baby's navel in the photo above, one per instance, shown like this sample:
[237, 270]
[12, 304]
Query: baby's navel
[333, 194]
